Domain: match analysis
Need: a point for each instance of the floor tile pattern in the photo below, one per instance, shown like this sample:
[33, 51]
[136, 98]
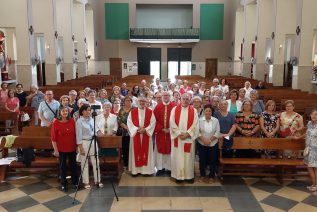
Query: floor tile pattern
[159, 194]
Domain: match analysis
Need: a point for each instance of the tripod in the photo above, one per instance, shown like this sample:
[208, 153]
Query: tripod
[93, 140]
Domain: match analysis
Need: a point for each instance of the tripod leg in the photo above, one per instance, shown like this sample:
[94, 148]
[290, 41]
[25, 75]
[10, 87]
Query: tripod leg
[81, 173]
[97, 163]
[114, 190]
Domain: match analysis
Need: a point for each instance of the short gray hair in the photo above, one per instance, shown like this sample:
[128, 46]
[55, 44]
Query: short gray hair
[34, 86]
[107, 104]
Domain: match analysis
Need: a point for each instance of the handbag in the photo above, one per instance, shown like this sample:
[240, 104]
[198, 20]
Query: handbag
[287, 131]
[306, 151]
[25, 117]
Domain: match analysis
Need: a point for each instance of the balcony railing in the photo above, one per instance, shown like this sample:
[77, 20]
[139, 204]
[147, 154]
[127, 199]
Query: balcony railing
[137, 34]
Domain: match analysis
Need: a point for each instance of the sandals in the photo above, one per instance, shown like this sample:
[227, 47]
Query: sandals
[201, 179]
[99, 185]
[312, 188]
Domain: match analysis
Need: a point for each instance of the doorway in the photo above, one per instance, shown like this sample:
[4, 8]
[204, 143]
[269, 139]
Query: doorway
[60, 57]
[211, 68]
[116, 67]
[179, 62]
[149, 61]
[289, 52]
[40, 59]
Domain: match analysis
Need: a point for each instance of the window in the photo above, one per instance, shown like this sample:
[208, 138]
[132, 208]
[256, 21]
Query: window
[185, 68]
[172, 70]
[155, 69]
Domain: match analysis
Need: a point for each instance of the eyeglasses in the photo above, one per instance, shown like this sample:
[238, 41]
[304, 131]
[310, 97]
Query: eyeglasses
[49, 94]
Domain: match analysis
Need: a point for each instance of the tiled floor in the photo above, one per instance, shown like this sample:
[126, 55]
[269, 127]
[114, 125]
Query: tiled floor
[159, 194]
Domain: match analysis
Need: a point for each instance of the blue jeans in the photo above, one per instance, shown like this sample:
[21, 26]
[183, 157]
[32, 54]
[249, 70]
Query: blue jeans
[207, 156]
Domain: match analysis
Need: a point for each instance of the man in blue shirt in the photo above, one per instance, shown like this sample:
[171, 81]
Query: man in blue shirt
[48, 109]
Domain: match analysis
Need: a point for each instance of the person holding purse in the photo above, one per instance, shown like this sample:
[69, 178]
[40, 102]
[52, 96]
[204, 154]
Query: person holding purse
[310, 152]
[291, 123]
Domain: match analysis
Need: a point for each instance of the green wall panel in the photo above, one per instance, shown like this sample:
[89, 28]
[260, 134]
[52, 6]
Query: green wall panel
[117, 21]
[211, 21]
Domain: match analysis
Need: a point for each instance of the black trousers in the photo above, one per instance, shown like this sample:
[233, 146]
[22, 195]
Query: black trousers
[71, 157]
[125, 150]
[207, 156]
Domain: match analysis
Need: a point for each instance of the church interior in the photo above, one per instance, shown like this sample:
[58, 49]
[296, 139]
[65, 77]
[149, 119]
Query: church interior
[205, 51]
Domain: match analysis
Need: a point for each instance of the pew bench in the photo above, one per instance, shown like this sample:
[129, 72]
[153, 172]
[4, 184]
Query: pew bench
[14, 120]
[277, 167]
[111, 164]
[39, 165]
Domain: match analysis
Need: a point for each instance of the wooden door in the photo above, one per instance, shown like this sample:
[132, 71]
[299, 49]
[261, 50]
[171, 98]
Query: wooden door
[116, 67]
[211, 68]
[288, 75]
[39, 74]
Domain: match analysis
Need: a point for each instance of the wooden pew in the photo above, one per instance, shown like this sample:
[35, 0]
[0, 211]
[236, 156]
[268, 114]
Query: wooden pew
[108, 142]
[36, 131]
[262, 166]
[13, 128]
[39, 165]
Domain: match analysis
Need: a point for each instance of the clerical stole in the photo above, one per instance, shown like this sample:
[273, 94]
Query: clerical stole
[178, 109]
[141, 146]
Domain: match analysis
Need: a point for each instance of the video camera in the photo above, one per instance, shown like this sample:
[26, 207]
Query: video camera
[95, 107]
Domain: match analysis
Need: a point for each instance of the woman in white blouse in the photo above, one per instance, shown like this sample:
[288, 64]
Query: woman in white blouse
[209, 129]
[224, 87]
[107, 124]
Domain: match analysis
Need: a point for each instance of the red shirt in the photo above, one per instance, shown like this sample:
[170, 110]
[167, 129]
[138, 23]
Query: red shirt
[64, 134]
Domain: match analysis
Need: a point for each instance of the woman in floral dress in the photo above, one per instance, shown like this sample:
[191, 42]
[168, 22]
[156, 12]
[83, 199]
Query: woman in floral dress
[269, 121]
[311, 143]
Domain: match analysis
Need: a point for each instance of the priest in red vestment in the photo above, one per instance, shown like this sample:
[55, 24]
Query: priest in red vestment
[162, 149]
[141, 124]
[184, 130]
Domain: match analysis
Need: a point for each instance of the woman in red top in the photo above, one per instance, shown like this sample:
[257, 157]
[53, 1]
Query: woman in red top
[63, 135]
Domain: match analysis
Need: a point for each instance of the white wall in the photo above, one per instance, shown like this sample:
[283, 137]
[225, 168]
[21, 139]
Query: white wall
[285, 24]
[41, 9]
[90, 32]
[164, 16]
[239, 33]
[264, 28]
[13, 13]
[64, 27]
[78, 20]
[309, 24]
[250, 30]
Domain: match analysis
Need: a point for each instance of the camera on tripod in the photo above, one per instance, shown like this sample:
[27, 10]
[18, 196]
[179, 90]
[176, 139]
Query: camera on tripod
[95, 107]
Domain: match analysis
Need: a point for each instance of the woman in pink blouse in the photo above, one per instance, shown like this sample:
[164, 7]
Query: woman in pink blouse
[12, 104]
[3, 93]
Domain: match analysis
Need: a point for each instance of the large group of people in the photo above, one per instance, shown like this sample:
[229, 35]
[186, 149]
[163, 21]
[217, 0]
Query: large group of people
[163, 127]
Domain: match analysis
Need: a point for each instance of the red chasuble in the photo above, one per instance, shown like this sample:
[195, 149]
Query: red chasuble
[141, 146]
[178, 109]
[162, 115]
